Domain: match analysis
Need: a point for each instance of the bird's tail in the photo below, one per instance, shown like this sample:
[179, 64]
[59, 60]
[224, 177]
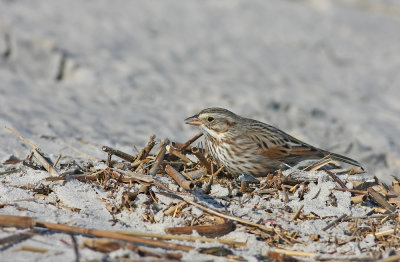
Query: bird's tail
[341, 158]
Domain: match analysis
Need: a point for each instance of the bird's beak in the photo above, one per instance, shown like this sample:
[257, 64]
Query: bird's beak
[193, 120]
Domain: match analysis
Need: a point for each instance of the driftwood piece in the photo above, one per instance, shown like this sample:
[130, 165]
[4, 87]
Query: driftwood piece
[207, 187]
[216, 213]
[318, 164]
[22, 138]
[358, 199]
[28, 222]
[156, 164]
[107, 245]
[144, 152]
[240, 220]
[174, 209]
[297, 214]
[178, 154]
[219, 251]
[118, 153]
[179, 178]
[293, 252]
[354, 191]
[243, 187]
[31, 249]
[334, 222]
[384, 233]
[200, 156]
[36, 152]
[48, 166]
[11, 171]
[215, 230]
[380, 199]
[299, 176]
[130, 176]
[185, 238]
[159, 158]
[187, 150]
[197, 174]
[190, 141]
[145, 180]
[334, 177]
[57, 160]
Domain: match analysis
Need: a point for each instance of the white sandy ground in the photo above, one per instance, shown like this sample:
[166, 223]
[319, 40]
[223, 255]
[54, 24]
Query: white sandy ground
[324, 71]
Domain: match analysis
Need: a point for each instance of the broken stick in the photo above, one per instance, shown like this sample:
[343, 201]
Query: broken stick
[49, 167]
[380, 199]
[200, 156]
[159, 158]
[22, 138]
[215, 230]
[144, 152]
[213, 212]
[118, 153]
[43, 161]
[179, 178]
[28, 222]
[190, 141]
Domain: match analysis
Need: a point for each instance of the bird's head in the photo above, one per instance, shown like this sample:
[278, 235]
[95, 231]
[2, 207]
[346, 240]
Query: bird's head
[214, 121]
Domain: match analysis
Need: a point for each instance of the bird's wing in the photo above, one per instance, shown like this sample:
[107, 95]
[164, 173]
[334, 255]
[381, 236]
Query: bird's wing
[274, 143]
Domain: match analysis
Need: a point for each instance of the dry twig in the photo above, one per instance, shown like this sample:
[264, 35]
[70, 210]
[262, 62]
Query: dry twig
[359, 192]
[57, 160]
[185, 238]
[242, 221]
[159, 158]
[380, 199]
[173, 209]
[118, 153]
[43, 161]
[179, 178]
[294, 252]
[178, 154]
[28, 222]
[334, 177]
[22, 138]
[11, 171]
[215, 230]
[107, 245]
[334, 222]
[190, 141]
[32, 249]
[145, 151]
[202, 159]
[49, 167]
[297, 214]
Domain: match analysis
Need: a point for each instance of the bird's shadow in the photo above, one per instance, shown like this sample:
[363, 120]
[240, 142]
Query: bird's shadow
[201, 197]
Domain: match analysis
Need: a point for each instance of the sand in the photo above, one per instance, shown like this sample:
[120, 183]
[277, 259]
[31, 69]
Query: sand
[83, 74]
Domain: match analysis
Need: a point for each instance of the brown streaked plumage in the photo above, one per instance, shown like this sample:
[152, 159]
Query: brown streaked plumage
[247, 146]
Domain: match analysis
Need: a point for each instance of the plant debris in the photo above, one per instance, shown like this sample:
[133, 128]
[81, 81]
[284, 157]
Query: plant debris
[178, 187]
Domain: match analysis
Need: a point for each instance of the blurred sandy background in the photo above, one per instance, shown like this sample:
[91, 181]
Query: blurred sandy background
[115, 72]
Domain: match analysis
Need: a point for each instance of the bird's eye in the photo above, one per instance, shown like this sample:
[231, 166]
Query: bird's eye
[210, 119]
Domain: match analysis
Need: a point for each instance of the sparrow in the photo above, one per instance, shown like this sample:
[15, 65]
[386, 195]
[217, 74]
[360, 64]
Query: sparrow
[246, 146]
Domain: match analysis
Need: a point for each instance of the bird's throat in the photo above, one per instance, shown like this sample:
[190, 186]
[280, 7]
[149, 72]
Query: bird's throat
[214, 134]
